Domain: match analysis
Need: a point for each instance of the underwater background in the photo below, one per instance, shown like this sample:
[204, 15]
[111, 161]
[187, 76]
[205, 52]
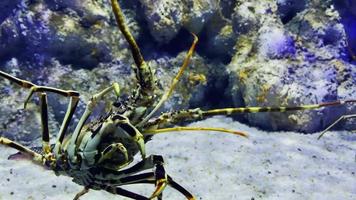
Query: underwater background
[250, 53]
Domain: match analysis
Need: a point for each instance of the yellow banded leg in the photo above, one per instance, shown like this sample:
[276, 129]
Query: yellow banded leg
[148, 178]
[38, 158]
[74, 99]
[119, 191]
[88, 110]
[81, 193]
[73, 102]
[343, 117]
[158, 177]
[161, 179]
[174, 82]
[44, 121]
[46, 148]
[35, 88]
[181, 189]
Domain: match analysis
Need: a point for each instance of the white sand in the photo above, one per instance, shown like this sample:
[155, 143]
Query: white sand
[211, 165]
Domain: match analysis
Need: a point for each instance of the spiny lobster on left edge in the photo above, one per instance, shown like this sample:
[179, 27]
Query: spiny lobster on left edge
[97, 155]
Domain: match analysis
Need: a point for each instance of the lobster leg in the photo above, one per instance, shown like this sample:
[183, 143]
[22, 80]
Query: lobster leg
[123, 192]
[73, 102]
[74, 98]
[171, 183]
[37, 158]
[181, 189]
[88, 110]
[35, 88]
[343, 117]
[81, 193]
[159, 177]
[150, 178]
[44, 121]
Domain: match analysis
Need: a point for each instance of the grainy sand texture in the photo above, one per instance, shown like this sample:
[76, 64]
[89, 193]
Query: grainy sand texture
[212, 165]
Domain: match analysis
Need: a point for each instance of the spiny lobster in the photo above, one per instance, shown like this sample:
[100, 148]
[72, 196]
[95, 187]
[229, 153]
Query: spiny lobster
[99, 155]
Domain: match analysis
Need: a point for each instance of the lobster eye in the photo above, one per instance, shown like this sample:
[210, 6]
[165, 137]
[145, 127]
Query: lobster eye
[120, 106]
[117, 104]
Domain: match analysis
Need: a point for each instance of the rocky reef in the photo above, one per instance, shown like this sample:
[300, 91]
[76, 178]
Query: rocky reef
[289, 60]
[250, 53]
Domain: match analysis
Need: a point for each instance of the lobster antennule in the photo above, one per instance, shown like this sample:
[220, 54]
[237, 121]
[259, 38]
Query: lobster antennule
[165, 130]
[174, 82]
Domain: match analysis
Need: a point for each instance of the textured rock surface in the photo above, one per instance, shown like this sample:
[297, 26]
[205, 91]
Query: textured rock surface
[288, 9]
[164, 18]
[347, 10]
[82, 36]
[299, 62]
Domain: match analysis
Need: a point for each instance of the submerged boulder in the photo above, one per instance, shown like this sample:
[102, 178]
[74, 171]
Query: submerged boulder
[297, 63]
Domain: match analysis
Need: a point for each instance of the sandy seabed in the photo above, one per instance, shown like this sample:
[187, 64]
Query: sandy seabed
[213, 165]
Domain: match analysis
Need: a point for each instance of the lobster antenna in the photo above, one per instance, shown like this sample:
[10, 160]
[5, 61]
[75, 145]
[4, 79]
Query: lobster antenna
[142, 70]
